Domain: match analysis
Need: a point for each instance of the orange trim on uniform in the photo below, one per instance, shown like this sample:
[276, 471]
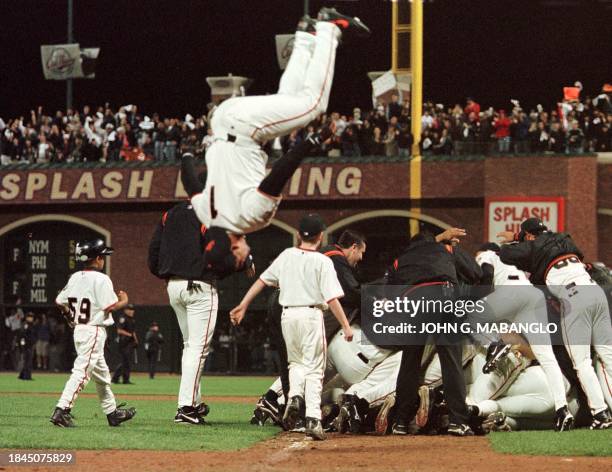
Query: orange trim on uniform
[395, 264]
[333, 252]
[108, 308]
[316, 103]
[605, 375]
[449, 248]
[556, 260]
[164, 218]
[86, 378]
[203, 229]
[271, 197]
[425, 284]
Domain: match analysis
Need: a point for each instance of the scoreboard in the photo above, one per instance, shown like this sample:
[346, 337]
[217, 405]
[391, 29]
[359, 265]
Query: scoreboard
[37, 260]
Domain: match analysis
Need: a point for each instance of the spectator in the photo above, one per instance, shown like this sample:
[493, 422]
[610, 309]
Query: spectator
[377, 145]
[405, 140]
[391, 138]
[350, 142]
[557, 138]
[472, 107]
[501, 124]
[42, 333]
[25, 338]
[575, 139]
[444, 145]
[153, 342]
[395, 108]
[14, 322]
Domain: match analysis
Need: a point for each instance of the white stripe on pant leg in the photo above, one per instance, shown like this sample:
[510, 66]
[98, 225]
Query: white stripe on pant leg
[85, 342]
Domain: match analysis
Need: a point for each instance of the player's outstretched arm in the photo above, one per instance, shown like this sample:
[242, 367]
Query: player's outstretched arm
[237, 314]
[338, 312]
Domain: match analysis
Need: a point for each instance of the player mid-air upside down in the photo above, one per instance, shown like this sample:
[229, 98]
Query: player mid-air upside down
[238, 197]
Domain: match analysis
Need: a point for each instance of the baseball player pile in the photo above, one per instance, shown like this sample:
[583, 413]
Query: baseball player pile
[334, 379]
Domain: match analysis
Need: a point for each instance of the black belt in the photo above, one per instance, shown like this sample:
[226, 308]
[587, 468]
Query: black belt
[231, 138]
[513, 277]
[310, 306]
[363, 358]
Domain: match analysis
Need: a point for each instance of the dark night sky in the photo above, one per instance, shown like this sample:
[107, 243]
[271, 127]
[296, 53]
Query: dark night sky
[158, 53]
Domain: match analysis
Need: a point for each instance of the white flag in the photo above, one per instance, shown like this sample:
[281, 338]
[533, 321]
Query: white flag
[68, 61]
[284, 47]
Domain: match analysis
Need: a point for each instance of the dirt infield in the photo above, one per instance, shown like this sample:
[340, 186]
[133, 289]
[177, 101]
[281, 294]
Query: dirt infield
[291, 452]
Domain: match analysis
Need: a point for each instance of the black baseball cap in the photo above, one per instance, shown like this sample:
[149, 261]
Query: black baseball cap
[311, 225]
[533, 226]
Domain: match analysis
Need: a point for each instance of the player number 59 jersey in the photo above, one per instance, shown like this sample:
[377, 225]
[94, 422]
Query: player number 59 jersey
[88, 294]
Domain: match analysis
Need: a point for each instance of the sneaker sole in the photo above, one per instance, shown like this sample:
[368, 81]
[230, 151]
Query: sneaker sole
[423, 412]
[491, 364]
[382, 419]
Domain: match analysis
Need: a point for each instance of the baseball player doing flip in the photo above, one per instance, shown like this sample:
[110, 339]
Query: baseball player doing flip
[238, 195]
[87, 301]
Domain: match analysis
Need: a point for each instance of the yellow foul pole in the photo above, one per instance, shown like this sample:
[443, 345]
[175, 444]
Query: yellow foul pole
[416, 66]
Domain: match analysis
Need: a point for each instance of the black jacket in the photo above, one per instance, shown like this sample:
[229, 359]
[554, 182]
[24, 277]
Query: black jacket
[424, 261]
[346, 277]
[179, 246]
[536, 256]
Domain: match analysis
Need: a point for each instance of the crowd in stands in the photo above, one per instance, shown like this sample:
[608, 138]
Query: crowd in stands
[107, 134]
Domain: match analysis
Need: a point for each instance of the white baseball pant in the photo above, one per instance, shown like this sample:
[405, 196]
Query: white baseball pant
[528, 403]
[585, 322]
[304, 335]
[604, 380]
[89, 345]
[526, 304]
[196, 313]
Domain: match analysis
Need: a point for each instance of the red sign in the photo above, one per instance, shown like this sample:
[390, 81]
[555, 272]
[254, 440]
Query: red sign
[507, 213]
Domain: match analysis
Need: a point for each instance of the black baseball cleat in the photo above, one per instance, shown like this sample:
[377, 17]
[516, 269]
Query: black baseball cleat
[495, 352]
[307, 24]
[495, 422]
[349, 412]
[314, 429]
[293, 412]
[345, 23]
[300, 426]
[62, 418]
[564, 420]
[203, 409]
[188, 415]
[271, 408]
[400, 428]
[120, 415]
[455, 429]
[601, 420]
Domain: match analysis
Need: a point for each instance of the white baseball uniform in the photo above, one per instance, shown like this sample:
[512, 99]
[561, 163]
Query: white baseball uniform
[521, 392]
[515, 299]
[307, 281]
[89, 294]
[235, 162]
[585, 321]
[196, 313]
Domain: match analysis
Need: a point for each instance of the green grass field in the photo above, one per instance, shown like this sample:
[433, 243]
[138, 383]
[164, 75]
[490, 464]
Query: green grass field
[25, 408]
[580, 442]
[24, 416]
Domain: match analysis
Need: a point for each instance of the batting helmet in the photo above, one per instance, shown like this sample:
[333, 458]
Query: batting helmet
[89, 250]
